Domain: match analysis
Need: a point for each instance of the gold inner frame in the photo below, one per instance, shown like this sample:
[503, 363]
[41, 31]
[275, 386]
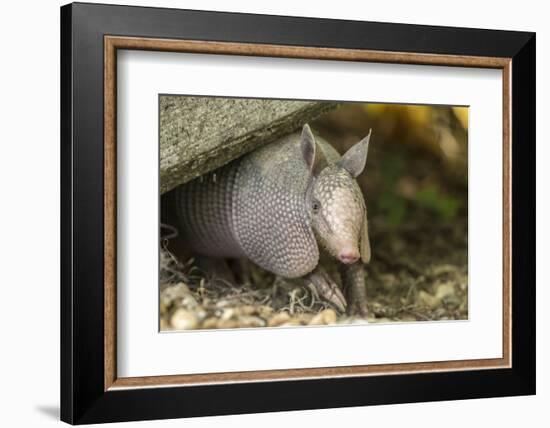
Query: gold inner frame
[112, 43]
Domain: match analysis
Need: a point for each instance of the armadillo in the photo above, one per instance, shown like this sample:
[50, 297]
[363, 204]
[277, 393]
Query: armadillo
[279, 206]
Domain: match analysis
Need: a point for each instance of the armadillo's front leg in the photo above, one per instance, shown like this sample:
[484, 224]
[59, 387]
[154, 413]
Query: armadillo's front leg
[326, 288]
[353, 282]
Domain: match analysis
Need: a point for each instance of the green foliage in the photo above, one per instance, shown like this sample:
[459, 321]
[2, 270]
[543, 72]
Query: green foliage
[393, 167]
[390, 203]
[394, 206]
[431, 198]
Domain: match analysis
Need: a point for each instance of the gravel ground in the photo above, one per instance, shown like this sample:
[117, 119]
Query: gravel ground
[413, 276]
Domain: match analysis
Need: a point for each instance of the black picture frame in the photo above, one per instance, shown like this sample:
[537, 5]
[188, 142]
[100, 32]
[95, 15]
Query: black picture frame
[83, 398]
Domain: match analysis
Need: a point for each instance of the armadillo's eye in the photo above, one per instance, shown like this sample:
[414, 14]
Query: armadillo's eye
[316, 206]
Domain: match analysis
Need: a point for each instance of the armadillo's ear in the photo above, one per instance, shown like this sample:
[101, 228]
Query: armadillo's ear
[313, 156]
[355, 158]
[364, 243]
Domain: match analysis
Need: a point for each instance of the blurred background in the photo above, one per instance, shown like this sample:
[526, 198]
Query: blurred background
[416, 189]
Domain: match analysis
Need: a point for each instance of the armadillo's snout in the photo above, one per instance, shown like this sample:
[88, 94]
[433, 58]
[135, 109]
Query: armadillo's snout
[348, 255]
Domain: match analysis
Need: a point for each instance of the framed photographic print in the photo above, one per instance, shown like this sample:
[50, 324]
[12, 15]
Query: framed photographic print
[265, 213]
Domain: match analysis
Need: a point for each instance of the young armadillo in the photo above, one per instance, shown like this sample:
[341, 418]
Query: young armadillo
[277, 205]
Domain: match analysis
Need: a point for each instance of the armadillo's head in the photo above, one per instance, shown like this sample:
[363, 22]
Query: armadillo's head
[335, 202]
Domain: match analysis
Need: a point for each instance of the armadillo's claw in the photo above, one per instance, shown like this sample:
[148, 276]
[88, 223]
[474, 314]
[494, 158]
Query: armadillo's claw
[327, 289]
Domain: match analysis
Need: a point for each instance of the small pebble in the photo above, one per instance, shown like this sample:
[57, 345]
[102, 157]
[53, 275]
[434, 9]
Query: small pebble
[189, 302]
[251, 321]
[265, 311]
[164, 325]
[228, 323]
[290, 323]
[223, 303]
[278, 319]
[182, 288]
[211, 322]
[326, 316]
[163, 306]
[428, 299]
[182, 319]
[317, 319]
[200, 312]
[329, 315]
[355, 321]
[248, 310]
[305, 319]
[228, 313]
[445, 289]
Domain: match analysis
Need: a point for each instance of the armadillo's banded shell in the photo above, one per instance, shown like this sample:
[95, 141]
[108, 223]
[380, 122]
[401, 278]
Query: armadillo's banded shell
[205, 212]
[255, 207]
[270, 217]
